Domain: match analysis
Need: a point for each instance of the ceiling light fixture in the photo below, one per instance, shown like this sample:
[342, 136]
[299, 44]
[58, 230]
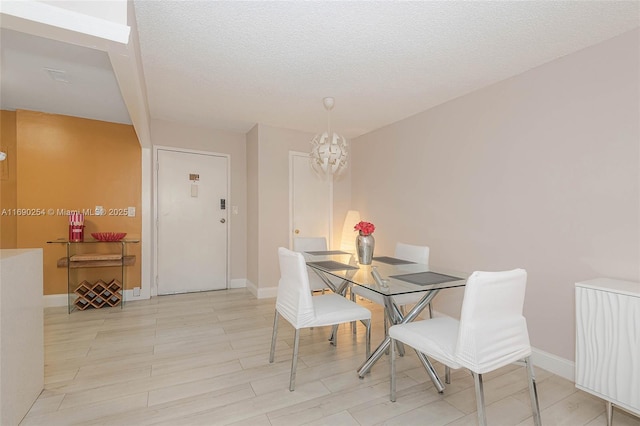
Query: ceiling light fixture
[329, 153]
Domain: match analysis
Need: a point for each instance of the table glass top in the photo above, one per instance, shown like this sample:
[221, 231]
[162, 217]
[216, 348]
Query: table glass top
[399, 278]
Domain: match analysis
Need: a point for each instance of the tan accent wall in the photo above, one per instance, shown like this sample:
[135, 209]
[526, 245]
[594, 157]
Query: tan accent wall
[540, 171]
[8, 186]
[69, 163]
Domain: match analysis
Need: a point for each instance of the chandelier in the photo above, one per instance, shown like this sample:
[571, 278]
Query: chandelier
[329, 153]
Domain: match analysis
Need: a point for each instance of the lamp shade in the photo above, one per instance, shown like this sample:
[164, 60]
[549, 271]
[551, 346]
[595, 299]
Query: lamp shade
[329, 153]
[348, 240]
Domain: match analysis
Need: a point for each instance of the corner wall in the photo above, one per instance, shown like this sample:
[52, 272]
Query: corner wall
[8, 182]
[253, 210]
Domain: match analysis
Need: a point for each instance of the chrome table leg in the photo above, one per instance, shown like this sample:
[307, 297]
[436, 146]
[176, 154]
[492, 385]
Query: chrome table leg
[377, 354]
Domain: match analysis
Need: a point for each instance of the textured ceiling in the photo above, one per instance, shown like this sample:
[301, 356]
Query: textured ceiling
[230, 65]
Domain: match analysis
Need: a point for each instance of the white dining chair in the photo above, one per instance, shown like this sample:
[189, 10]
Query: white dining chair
[409, 252]
[302, 244]
[295, 304]
[492, 333]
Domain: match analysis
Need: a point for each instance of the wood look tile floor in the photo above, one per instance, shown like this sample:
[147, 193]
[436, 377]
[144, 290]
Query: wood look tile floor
[202, 359]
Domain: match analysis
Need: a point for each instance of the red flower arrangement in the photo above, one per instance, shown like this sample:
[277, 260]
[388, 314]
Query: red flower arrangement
[365, 228]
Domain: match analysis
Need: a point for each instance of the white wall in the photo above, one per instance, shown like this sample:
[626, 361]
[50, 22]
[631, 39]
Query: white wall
[253, 209]
[341, 204]
[539, 171]
[169, 134]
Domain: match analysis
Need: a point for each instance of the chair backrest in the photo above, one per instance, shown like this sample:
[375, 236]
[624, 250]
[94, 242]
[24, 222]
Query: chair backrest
[309, 244]
[294, 295]
[418, 254]
[493, 331]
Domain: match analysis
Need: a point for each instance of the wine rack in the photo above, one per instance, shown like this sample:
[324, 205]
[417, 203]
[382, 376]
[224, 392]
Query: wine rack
[98, 294]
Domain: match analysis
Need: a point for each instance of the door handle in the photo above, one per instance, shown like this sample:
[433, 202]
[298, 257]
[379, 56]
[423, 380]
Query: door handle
[222, 220]
[297, 231]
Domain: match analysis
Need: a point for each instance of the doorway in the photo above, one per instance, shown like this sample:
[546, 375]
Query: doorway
[310, 201]
[192, 222]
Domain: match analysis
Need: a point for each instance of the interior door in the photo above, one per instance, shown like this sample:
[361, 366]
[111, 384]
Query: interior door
[192, 191]
[311, 200]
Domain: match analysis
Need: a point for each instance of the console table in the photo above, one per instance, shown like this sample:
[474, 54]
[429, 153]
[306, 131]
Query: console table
[608, 342]
[84, 294]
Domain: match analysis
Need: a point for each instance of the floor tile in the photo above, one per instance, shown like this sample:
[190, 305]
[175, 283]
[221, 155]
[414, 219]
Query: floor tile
[203, 359]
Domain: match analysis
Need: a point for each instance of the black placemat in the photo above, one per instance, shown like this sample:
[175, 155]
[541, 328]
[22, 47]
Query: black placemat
[326, 252]
[332, 265]
[392, 260]
[426, 278]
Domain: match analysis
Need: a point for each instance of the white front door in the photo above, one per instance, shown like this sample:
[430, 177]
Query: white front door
[311, 200]
[192, 192]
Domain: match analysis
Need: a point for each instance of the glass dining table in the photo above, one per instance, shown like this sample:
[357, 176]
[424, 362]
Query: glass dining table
[388, 277]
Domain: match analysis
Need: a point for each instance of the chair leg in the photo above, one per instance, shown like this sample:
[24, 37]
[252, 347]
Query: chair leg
[386, 328]
[482, 417]
[392, 359]
[294, 360]
[273, 336]
[368, 337]
[334, 335]
[352, 296]
[533, 392]
[430, 310]
[447, 374]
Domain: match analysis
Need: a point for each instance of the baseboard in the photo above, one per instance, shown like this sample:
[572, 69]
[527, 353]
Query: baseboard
[238, 283]
[55, 300]
[261, 293]
[267, 293]
[58, 300]
[554, 364]
[129, 297]
[252, 288]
